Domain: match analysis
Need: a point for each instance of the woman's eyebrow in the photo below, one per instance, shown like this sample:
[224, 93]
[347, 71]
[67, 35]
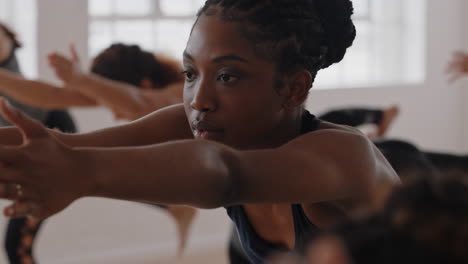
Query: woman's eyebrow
[229, 57]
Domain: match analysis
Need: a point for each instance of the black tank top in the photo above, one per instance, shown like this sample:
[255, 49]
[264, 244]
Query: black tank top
[256, 248]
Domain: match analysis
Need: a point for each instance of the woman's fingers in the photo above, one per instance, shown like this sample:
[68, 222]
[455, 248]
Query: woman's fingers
[73, 53]
[23, 209]
[54, 59]
[457, 66]
[28, 127]
[11, 191]
[15, 191]
[62, 66]
[59, 60]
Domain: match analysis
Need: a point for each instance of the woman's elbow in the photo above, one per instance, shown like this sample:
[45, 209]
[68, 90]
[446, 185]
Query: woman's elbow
[224, 169]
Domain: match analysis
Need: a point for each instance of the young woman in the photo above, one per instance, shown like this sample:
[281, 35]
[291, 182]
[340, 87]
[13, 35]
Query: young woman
[20, 232]
[241, 140]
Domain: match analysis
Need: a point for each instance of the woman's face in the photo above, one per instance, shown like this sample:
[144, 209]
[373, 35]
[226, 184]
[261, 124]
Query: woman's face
[229, 92]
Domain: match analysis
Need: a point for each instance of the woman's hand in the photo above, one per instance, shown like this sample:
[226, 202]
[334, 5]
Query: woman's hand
[458, 66]
[41, 174]
[66, 69]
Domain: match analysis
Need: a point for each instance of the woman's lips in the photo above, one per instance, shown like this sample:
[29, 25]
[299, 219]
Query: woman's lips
[206, 130]
[208, 134]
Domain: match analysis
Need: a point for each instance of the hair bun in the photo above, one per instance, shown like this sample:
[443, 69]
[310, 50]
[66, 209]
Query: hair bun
[340, 31]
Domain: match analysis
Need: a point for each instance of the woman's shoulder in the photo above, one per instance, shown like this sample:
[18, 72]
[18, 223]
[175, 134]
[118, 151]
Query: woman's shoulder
[333, 134]
[335, 128]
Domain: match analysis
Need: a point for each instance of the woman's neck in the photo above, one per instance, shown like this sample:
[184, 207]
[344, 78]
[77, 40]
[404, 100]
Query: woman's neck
[287, 129]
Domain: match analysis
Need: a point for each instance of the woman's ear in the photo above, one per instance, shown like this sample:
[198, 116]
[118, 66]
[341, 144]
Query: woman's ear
[296, 88]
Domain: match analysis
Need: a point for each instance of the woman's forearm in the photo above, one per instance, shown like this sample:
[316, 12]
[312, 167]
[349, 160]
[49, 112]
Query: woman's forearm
[40, 94]
[119, 97]
[196, 173]
[165, 125]
[130, 101]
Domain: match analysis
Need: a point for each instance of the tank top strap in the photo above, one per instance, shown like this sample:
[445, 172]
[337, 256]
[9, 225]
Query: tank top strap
[309, 122]
[304, 229]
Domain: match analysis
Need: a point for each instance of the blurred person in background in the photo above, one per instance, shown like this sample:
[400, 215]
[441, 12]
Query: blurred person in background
[129, 66]
[423, 221]
[20, 232]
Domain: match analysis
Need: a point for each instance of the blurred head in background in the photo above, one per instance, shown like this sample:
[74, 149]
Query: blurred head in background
[132, 65]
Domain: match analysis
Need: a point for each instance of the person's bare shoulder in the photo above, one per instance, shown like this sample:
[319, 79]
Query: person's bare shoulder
[348, 148]
[359, 160]
[334, 137]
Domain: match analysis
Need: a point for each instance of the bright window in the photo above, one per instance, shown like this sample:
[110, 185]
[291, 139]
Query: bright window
[20, 16]
[389, 48]
[158, 25]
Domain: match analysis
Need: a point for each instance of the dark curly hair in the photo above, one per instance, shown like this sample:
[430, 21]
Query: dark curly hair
[424, 221]
[295, 34]
[131, 64]
[11, 35]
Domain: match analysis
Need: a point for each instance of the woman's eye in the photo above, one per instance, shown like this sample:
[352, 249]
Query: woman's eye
[227, 78]
[189, 76]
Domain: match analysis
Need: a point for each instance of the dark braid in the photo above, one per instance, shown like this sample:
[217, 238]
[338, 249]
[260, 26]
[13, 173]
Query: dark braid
[296, 34]
[131, 64]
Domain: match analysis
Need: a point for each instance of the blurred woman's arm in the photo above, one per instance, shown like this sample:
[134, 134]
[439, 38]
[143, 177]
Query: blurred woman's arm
[125, 100]
[41, 94]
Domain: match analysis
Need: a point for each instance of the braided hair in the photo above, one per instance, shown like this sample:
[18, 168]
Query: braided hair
[131, 64]
[295, 34]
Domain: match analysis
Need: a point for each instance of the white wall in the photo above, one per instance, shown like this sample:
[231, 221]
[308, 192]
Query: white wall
[96, 230]
[464, 84]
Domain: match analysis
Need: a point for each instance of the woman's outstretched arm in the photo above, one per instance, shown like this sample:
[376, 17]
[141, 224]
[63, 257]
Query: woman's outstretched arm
[41, 94]
[127, 100]
[312, 168]
[163, 125]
